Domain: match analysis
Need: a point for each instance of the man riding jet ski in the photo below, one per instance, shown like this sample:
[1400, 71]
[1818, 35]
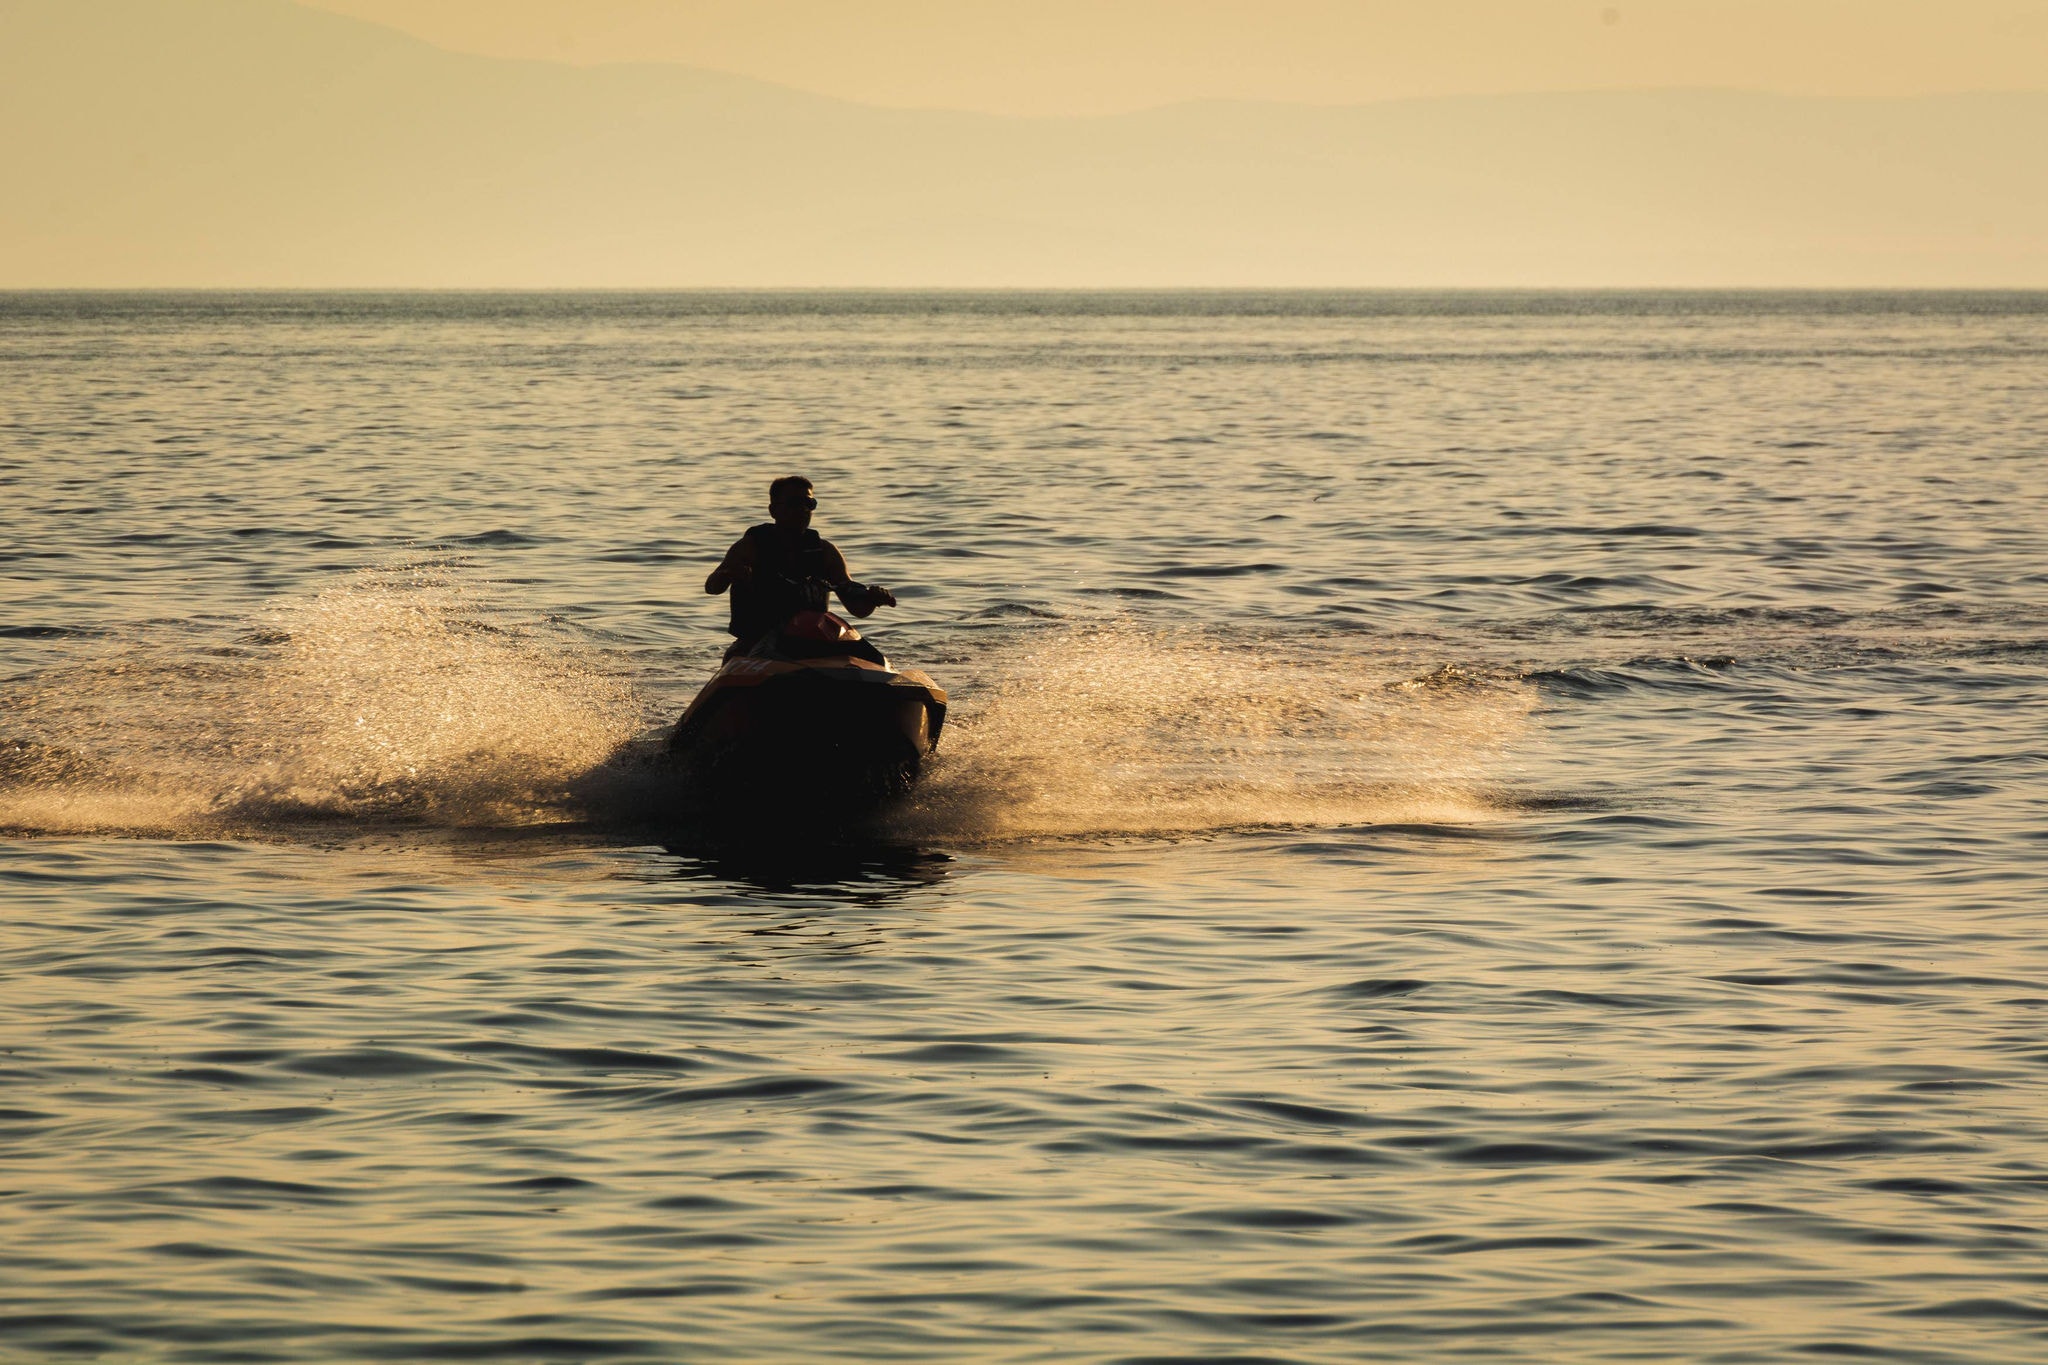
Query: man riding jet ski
[803, 712]
[773, 569]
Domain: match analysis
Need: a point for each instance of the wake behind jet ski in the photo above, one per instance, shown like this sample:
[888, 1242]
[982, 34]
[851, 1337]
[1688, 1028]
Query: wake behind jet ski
[803, 712]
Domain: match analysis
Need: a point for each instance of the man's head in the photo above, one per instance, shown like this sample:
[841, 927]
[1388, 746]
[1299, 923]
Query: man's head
[790, 502]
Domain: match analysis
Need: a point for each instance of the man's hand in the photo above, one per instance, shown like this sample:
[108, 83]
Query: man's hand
[862, 598]
[736, 567]
[726, 575]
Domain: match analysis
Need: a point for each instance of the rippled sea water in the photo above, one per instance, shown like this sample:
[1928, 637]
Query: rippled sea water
[1474, 828]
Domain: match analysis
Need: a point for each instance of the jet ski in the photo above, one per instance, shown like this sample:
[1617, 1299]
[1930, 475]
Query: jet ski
[812, 718]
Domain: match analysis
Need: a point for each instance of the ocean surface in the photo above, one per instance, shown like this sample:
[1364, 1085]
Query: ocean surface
[1473, 828]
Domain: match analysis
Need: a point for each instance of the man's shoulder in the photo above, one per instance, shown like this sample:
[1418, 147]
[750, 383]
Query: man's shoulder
[768, 530]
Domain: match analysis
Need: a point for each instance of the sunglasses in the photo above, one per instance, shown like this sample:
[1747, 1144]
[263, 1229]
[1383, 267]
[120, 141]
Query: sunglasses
[807, 501]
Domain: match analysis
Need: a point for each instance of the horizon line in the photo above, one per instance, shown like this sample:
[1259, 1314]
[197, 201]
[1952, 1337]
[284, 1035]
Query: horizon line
[906, 289]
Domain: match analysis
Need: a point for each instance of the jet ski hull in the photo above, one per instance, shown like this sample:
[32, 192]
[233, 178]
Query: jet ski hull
[835, 735]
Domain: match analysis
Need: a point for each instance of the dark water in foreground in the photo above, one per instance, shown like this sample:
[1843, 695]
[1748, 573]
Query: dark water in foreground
[1477, 828]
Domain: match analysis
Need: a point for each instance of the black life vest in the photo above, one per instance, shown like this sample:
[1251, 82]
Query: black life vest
[788, 572]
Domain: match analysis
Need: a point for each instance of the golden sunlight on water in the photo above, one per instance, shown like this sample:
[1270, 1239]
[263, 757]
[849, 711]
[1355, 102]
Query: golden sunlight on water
[1470, 828]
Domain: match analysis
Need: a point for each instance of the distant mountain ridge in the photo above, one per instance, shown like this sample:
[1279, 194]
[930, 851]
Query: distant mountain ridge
[248, 143]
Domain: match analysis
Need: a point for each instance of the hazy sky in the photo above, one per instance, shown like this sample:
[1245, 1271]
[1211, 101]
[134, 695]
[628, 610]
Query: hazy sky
[250, 143]
[1094, 56]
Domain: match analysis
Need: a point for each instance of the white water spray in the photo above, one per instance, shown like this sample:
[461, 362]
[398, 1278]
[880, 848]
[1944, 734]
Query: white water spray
[407, 695]
[395, 694]
[1123, 731]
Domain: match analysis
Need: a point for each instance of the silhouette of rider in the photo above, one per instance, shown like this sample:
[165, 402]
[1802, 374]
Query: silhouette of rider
[782, 567]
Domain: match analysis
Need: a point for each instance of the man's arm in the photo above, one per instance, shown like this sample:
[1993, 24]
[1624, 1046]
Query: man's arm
[736, 567]
[860, 598]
